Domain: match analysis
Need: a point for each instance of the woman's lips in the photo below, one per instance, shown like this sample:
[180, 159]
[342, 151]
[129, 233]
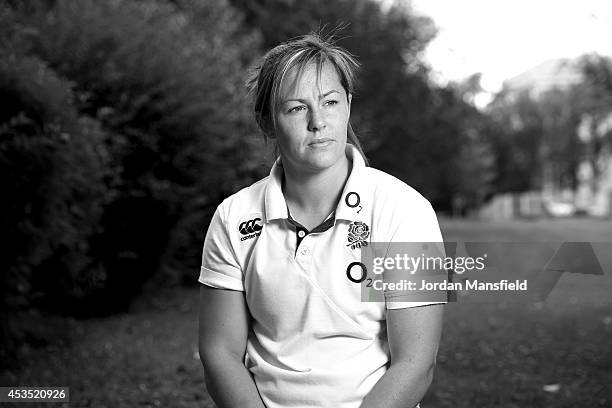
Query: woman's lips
[321, 142]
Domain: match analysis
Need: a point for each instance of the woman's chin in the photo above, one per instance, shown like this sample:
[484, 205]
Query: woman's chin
[324, 160]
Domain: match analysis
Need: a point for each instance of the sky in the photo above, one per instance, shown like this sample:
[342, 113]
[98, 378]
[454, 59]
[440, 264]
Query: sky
[504, 38]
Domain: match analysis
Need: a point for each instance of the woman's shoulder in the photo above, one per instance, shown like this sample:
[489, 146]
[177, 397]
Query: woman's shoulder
[392, 189]
[248, 199]
[400, 213]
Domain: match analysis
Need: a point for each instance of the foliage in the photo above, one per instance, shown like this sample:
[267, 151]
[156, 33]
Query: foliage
[150, 106]
[52, 170]
[597, 72]
[516, 141]
[470, 175]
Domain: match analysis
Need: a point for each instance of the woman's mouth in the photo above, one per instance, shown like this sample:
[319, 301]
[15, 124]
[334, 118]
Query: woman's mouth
[322, 142]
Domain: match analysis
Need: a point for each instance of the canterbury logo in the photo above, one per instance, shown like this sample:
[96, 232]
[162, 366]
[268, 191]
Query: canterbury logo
[250, 226]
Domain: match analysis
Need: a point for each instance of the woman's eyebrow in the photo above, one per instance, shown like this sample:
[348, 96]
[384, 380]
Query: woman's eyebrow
[325, 95]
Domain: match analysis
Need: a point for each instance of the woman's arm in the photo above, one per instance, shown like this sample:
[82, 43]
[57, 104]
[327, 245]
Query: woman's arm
[414, 335]
[223, 331]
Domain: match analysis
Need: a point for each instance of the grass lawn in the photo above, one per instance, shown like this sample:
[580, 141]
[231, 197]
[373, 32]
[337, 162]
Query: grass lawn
[556, 353]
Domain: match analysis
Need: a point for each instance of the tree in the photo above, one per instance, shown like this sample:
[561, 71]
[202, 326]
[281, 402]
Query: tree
[52, 170]
[163, 81]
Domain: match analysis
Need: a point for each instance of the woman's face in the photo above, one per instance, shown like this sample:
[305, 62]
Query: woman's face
[312, 119]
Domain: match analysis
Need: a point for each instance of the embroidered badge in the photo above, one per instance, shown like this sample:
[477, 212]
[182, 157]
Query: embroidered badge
[357, 234]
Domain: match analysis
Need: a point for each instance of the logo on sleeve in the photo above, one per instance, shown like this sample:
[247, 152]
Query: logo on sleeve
[250, 228]
[357, 234]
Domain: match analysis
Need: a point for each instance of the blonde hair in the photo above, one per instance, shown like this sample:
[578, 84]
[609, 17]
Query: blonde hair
[265, 79]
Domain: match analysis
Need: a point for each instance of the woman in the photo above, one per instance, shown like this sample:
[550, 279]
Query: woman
[282, 321]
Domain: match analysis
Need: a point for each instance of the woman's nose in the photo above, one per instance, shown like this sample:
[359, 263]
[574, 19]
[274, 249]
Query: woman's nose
[316, 122]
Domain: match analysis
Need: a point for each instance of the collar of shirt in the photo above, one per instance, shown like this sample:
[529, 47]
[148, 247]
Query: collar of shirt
[276, 207]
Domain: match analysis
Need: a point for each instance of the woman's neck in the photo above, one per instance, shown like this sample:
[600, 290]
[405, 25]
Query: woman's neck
[312, 197]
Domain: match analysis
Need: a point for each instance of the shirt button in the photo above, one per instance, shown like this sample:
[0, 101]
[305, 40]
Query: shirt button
[301, 234]
[305, 251]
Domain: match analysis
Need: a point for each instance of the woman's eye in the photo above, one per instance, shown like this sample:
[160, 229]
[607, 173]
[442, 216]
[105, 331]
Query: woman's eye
[296, 109]
[331, 102]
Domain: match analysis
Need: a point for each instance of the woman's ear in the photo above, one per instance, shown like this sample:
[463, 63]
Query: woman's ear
[350, 99]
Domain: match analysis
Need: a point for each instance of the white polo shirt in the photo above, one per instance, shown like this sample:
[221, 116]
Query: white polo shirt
[313, 342]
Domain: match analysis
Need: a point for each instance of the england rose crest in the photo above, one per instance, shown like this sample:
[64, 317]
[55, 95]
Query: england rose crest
[358, 233]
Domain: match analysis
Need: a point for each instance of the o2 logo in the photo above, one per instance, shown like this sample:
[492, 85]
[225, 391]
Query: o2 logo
[357, 272]
[352, 200]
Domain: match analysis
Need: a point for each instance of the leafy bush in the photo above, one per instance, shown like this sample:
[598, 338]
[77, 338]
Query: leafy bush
[128, 126]
[52, 170]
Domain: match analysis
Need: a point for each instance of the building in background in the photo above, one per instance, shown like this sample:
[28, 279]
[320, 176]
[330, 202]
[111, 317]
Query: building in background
[591, 193]
[561, 73]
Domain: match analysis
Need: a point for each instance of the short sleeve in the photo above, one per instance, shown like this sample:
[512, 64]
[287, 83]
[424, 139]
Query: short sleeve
[419, 226]
[220, 267]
